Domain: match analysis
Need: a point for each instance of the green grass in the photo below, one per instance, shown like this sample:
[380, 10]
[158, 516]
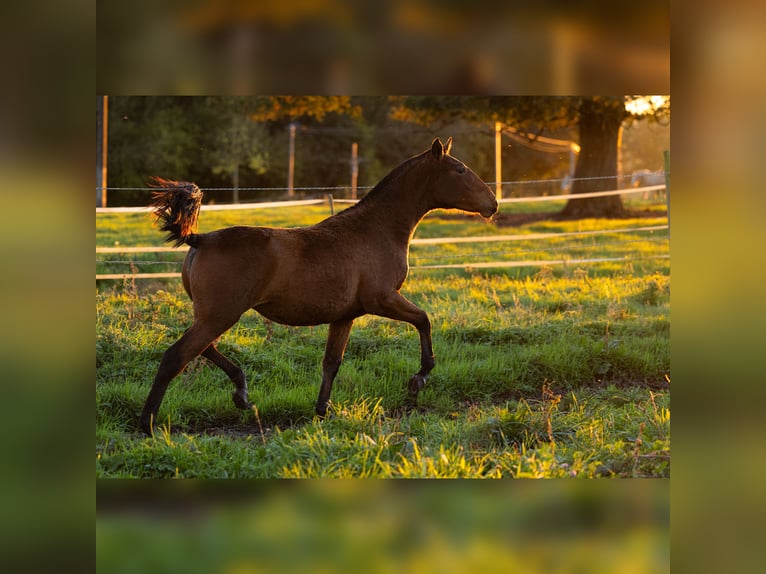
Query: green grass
[547, 371]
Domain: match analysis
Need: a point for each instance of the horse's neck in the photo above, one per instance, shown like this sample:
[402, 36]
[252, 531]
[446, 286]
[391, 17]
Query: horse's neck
[396, 212]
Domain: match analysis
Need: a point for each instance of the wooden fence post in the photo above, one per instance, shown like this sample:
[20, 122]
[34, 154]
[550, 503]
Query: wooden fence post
[498, 160]
[291, 163]
[666, 157]
[354, 168]
[102, 130]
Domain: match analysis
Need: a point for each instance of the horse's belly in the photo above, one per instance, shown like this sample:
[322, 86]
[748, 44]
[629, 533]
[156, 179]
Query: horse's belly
[308, 311]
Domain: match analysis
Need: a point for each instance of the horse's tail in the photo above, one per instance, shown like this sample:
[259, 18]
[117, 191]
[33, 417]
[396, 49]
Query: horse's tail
[176, 205]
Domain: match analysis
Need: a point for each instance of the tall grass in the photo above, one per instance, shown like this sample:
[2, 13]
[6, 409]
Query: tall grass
[549, 371]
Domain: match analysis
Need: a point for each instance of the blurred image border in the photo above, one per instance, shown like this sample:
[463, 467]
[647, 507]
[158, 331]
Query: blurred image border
[717, 326]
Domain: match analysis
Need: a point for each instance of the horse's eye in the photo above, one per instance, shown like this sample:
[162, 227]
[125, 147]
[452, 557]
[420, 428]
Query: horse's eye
[461, 169]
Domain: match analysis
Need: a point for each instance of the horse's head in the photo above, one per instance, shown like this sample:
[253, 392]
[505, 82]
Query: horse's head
[455, 185]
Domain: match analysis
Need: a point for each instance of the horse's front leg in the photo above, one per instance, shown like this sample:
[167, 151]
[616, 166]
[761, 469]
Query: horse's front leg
[395, 306]
[337, 338]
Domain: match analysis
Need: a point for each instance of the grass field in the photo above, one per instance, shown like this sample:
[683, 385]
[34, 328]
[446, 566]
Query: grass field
[542, 371]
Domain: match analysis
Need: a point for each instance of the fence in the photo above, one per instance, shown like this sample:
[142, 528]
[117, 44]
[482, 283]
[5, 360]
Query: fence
[328, 199]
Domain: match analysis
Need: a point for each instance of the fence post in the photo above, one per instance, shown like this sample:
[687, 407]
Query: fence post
[498, 160]
[102, 130]
[332, 206]
[291, 162]
[666, 157]
[354, 168]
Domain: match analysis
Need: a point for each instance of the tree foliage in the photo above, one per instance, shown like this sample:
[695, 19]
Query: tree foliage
[218, 141]
[243, 142]
[598, 120]
[275, 108]
[239, 141]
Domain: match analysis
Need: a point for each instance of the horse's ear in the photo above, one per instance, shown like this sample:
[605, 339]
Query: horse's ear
[437, 149]
[448, 146]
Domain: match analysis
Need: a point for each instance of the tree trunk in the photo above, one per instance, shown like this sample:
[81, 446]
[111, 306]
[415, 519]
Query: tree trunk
[599, 125]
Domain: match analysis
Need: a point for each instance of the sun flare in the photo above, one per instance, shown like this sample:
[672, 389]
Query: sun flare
[643, 105]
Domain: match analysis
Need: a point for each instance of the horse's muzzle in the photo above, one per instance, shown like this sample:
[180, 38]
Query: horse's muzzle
[489, 211]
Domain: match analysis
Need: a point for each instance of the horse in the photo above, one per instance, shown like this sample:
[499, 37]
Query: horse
[351, 264]
[647, 177]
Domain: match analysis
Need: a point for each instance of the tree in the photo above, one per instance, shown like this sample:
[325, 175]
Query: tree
[150, 136]
[598, 119]
[237, 142]
[324, 127]
[216, 141]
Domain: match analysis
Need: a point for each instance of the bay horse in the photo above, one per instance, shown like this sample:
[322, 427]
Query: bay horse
[351, 264]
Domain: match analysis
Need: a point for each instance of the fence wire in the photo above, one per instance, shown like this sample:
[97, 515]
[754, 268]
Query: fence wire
[421, 260]
[499, 258]
[424, 260]
[345, 187]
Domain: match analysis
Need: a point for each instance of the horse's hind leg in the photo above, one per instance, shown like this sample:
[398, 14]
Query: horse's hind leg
[337, 338]
[235, 373]
[192, 343]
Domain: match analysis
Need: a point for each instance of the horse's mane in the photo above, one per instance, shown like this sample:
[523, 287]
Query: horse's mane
[380, 189]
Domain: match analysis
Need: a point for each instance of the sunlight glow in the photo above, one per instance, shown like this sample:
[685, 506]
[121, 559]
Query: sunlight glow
[645, 104]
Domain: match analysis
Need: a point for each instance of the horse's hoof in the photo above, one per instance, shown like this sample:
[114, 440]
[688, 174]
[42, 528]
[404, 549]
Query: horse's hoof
[241, 400]
[410, 403]
[416, 383]
[146, 425]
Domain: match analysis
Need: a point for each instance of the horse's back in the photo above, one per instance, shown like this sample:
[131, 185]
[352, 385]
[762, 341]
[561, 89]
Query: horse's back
[225, 261]
[231, 237]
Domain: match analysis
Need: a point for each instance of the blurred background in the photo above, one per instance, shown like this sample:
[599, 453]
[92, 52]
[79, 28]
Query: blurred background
[397, 47]
[174, 48]
[610, 527]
